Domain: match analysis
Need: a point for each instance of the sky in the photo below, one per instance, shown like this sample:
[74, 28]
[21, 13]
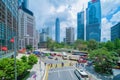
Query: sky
[46, 11]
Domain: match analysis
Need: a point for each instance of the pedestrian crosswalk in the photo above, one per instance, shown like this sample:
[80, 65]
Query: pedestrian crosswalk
[60, 65]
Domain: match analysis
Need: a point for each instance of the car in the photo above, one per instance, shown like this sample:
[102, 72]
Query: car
[83, 74]
[64, 54]
[59, 55]
[50, 57]
[64, 57]
[52, 54]
[77, 74]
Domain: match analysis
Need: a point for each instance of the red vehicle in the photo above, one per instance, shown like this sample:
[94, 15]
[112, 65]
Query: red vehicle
[59, 55]
[82, 60]
[53, 54]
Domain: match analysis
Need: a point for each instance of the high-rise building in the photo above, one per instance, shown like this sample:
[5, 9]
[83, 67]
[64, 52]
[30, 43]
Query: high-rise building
[115, 32]
[57, 30]
[36, 40]
[26, 28]
[8, 26]
[70, 35]
[20, 2]
[93, 20]
[43, 39]
[80, 25]
[25, 3]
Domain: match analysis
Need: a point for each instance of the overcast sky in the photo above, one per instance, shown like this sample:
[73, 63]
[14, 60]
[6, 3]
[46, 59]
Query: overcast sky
[46, 11]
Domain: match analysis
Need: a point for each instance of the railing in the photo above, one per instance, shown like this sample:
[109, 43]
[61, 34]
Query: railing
[6, 55]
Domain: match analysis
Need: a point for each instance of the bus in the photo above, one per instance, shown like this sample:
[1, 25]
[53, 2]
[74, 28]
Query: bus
[83, 75]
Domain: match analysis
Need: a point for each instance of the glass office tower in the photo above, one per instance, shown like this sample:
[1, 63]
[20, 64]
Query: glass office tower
[57, 30]
[80, 25]
[115, 32]
[8, 25]
[93, 20]
[25, 3]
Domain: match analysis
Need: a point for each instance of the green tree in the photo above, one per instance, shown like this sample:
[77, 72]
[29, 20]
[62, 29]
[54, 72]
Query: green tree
[118, 52]
[117, 43]
[103, 60]
[22, 67]
[92, 45]
[32, 59]
[24, 58]
[80, 44]
[29, 47]
[110, 46]
[50, 43]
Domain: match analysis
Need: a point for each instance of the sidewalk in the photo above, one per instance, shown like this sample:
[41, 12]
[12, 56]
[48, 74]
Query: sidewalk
[36, 73]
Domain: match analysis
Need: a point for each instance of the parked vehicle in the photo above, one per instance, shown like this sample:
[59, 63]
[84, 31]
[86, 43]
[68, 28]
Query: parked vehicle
[74, 57]
[65, 57]
[58, 55]
[50, 57]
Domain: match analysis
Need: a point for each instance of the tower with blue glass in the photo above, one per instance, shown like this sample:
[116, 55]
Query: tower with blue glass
[93, 20]
[80, 25]
[57, 30]
[25, 3]
[8, 25]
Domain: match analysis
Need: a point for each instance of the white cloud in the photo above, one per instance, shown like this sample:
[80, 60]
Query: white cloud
[116, 17]
[46, 12]
[105, 31]
[61, 9]
[109, 6]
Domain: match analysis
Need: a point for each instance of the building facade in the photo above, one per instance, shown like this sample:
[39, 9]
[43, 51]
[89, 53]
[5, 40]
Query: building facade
[80, 25]
[8, 25]
[70, 35]
[93, 20]
[27, 29]
[57, 30]
[25, 3]
[43, 36]
[115, 32]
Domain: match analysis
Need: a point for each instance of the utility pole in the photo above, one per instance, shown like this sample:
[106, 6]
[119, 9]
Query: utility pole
[15, 52]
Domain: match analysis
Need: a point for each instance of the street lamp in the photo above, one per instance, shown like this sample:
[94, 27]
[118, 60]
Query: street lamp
[13, 40]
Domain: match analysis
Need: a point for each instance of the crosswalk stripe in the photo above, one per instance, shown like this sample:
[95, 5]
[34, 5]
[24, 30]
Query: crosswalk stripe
[60, 70]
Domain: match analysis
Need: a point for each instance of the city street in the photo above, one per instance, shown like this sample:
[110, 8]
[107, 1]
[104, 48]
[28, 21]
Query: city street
[65, 73]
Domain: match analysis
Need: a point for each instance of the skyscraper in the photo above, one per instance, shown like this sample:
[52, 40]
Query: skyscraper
[8, 25]
[26, 28]
[25, 3]
[93, 20]
[80, 25]
[19, 3]
[115, 32]
[57, 30]
[70, 35]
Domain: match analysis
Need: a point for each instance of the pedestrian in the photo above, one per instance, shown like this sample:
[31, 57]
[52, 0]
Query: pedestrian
[62, 64]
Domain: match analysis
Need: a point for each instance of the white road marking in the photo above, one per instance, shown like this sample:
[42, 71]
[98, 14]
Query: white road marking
[58, 74]
[71, 75]
[60, 70]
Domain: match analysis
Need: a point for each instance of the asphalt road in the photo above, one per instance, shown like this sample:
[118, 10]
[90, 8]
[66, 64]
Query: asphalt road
[65, 73]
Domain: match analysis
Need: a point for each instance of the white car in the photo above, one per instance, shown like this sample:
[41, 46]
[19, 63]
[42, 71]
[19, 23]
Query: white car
[83, 74]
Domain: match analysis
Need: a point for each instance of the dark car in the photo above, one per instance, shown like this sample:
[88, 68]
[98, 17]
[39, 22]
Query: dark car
[77, 74]
[50, 57]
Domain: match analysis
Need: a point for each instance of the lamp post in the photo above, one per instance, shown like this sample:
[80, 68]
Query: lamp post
[15, 51]
[13, 40]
